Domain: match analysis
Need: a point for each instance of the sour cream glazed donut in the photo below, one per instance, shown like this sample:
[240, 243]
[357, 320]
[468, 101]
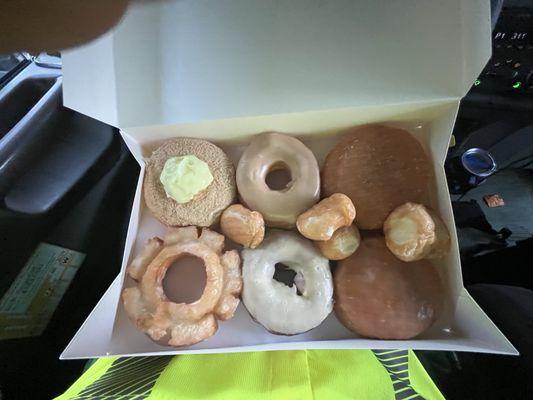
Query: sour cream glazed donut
[274, 151]
[182, 324]
[275, 305]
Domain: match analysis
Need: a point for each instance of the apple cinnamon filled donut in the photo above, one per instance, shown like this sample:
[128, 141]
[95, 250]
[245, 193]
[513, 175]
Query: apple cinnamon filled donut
[275, 305]
[379, 168]
[379, 296]
[270, 152]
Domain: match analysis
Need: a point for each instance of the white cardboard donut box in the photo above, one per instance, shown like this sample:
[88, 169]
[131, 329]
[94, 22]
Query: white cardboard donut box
[224, 70]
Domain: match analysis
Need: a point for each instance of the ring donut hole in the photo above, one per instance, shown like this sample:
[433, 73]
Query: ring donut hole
[185, 279]
[284, 274]
[278, 177]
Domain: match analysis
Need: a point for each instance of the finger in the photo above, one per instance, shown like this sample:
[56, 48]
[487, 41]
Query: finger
[37, 25]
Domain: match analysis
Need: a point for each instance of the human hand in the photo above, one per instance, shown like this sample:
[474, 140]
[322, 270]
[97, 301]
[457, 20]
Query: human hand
[51, 25]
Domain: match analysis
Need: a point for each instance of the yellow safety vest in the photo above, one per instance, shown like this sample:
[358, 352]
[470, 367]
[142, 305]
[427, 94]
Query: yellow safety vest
[291, 375]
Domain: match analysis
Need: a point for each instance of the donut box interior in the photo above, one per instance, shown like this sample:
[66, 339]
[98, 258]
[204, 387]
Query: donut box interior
[227, 70]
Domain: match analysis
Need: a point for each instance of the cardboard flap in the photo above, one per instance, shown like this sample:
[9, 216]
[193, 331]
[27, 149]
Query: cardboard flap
[94, 335]
[191, 60]
[476, 332]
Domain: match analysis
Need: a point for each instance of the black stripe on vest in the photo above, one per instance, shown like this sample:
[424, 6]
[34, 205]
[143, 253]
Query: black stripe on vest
[128, 377]
[396, 364]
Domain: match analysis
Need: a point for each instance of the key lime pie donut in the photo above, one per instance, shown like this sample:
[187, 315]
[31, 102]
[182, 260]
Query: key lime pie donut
[275, 305]
[189, 182]
[270, 152]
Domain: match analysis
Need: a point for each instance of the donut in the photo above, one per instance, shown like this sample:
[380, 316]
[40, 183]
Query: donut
[413, 232]
[243, 226]
[273, 151]
[379, 168]
[324, 218]
[275, 305]
[181, 324]
[342, 244]
[205, 208]
[379, 296]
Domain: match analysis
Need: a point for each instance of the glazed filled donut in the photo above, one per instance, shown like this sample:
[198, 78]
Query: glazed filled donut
[182, 324]
[379, 168]
[379, 296]
[275, 305]
[269, 152]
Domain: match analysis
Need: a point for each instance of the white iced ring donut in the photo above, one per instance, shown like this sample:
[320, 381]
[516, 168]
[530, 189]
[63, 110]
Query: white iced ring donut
[275, 305]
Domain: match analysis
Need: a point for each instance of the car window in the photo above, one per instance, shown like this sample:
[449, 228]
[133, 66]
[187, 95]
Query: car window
[9, 63]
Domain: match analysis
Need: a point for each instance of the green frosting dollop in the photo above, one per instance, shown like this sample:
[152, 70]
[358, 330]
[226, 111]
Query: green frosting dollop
[184, 177]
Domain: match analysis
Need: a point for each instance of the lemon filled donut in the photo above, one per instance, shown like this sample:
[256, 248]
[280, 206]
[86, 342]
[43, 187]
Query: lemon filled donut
[379, 168]
[275, 305]
[269, 152]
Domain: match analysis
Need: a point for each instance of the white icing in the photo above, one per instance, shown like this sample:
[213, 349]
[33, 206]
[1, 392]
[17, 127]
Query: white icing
[277, 306]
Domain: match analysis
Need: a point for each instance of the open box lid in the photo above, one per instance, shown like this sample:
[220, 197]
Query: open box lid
[190, 60]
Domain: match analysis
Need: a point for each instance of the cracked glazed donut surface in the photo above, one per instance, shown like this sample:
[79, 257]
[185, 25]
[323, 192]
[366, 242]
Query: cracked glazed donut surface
[183, 324]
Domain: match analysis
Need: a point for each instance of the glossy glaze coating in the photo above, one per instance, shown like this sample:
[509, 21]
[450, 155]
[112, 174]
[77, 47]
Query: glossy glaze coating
[268, 152]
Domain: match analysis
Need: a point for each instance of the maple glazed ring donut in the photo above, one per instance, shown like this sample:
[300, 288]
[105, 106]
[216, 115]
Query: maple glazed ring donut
[274, 151]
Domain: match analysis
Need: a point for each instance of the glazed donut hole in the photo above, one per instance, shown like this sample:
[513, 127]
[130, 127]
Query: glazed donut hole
[185, 279]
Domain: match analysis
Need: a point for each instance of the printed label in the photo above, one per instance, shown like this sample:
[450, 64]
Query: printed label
[28, 305]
